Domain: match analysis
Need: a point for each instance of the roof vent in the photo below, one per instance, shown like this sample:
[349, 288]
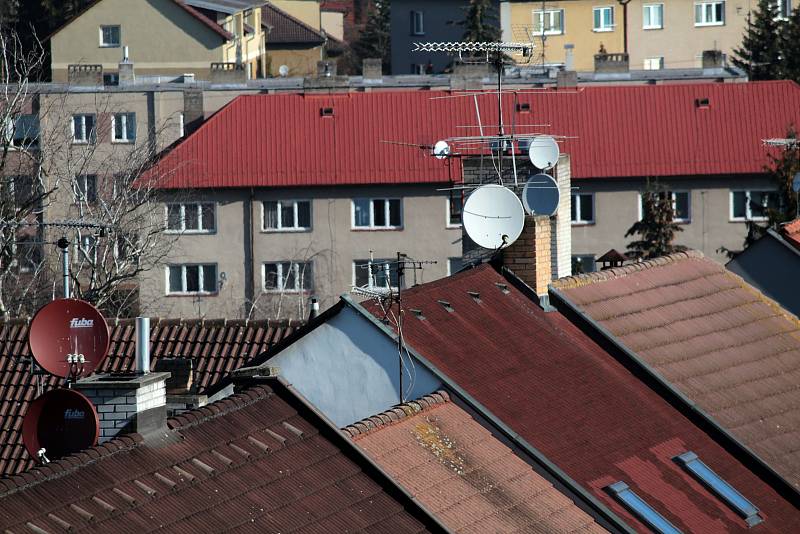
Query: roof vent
[326, 112]
[523, 107]
[418, 314]
[701, 103]
[446, 305]
[475, 296]
[503, 288]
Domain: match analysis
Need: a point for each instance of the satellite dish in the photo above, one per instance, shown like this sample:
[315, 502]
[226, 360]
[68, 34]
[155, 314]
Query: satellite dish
[68, 337]
[61, 422]
[493, 216]
[541, 196]
[441, 149]
[283, 70]
[543, 152]
[796, 183]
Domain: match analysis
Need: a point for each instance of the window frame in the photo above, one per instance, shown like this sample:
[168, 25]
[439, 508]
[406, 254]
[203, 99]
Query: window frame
[12, 127]
[578, 258]
[579, 221]
[119, 36]
[448, 214]
[82, 195]
[293, 264]
[183, 229]
[89, 137]
[748, 216]
[660, 60]
[370, 284]
[649, 7]
[124, 116]
[200, 279]
[372, 227]
[548, 12]
[703, 4]
[296, 217]
[602, 28]
[672, 193]
[417, 22]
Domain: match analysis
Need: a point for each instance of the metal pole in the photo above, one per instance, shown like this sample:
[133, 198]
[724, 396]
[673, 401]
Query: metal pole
[143, 345]
[400, 274]
[63, 244]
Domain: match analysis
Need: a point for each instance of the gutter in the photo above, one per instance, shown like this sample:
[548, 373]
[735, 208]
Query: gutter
[676, 398]
[596, 509]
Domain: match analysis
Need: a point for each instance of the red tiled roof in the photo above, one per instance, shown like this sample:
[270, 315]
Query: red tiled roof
[259, 461]
[462, 473]
[573, 401]
[721, 342]
[791, 233]
[217, 348]
[286, 29]
[622, 131]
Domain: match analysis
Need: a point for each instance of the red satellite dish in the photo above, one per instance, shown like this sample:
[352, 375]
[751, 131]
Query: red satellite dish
[61, 422]
[68, 337]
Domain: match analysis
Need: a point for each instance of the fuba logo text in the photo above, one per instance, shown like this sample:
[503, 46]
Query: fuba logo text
[76, 322]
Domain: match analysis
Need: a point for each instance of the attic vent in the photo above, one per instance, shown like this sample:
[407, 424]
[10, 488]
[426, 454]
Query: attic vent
[701, 103]
[475, 296]
[446, 305]
[326, 112]
[523, 107]
[417, 314]
[503, 288]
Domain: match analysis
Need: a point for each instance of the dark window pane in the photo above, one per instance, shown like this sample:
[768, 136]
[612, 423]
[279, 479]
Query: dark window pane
[456, 204]
[77, 125]
[681, 206]
[304, 214]
[394, 212]
[739, 199]
[91, 188]
[587, 209]
[758, 202]
[287, 215]
[772, 200]
[271, 215]
[90, 132]
[574, 208]
[362, 273]
[455, 265]
[379, 211]
[173, 216]
[175, 279]
[209, 278]
[207, 216]
[288, 276]
[271, 276]
[361, 212]
[130, 126]
[119, 128]
[305, 276]
[192, 278]
[191, 213]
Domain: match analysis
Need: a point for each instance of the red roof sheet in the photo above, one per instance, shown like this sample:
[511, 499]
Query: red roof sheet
[542, 376]
[256, 462]
[621, 131]
[217, 348]
[462, 473]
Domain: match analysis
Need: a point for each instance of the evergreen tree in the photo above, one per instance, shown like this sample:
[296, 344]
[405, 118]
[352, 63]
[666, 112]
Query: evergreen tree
[790, 47]
[375, 41]
[480, 22]
[657, 227]
[760, 54]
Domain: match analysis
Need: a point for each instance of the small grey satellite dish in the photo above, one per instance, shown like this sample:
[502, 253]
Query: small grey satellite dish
[283, 70]
[441, 149]
[796, 183]
[493, 216]
[543, 152]
[541, 196]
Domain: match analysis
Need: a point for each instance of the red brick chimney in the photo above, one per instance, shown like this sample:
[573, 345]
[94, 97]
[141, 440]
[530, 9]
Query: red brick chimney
[529, 257]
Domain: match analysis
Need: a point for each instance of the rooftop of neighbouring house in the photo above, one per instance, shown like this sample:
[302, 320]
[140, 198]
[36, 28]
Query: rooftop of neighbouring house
[462, 473]
[548, 381]
[283, 28]
[215, 348]
[791, 233]
[721, 342]
[254, 462]
[381, 138]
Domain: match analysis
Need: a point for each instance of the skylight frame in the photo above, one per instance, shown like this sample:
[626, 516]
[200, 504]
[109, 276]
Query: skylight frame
[639, 508]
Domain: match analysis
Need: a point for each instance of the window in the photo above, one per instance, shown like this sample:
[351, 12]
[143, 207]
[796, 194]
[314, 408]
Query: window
[110, 78]
[375, 273]
[26, 190]
[690, 462]
[191, 217]
[287, 215]
[83, 129]
[86, 248]
[603, 19]
[109, 36]
[85, 188]
[123, 127]
[455, 204]
[653, 63]
[22, 131]
[784, 8]
[709, 13]
[752, 205]
[549, 22]
[454, 265]
[377, 213]
[653, 17]
[681, 201]
[28, 254]
[191, 279]
[288, 276]
[582, 208]
[416, 23]
[621, 492]
[250, 18]
[583, 263]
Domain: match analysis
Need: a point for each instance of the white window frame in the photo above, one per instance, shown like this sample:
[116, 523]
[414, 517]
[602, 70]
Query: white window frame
[448, 203]
[200, 279]
[86, 137]
[183, 229]
[579, 220]
[372, 226]
[10, 129]
[748, 214]
[370, 283]
[602, 28]
[651, 8]
[672, 194]
[417, 23]
[538, 13]
[103, 44]
[703, 6]
[648, 62]
[123, 117]
[295, 266]
[784, 9]
[296, 227]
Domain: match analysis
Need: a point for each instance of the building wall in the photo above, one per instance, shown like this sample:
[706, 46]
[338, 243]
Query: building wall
[304, 10]
[333, 23]
[578, 30]
[301, 61]
[160, 36]
[680, 42]
[616, 209]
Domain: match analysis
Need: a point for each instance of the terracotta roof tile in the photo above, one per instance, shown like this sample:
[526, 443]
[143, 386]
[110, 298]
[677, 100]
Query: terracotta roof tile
[791, 233]
[286, 29]
[722, 343]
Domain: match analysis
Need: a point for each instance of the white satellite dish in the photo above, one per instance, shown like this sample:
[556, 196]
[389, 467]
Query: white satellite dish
[541, 196]
[796, 183]
[283, 70]
[493, 216]
[543, 152]
[441, 149]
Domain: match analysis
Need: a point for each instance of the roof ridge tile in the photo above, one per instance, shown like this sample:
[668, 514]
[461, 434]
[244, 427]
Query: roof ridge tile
[221, 407]
[395, 414]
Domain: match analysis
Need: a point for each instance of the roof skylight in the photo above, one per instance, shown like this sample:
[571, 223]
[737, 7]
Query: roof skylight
[639, 508]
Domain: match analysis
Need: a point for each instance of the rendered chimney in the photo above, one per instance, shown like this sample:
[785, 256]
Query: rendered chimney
[372, 68]
[126, 73]
[192, 110]
[85, 75]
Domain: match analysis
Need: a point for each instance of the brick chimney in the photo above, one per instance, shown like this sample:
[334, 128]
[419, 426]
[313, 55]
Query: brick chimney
[530, 255]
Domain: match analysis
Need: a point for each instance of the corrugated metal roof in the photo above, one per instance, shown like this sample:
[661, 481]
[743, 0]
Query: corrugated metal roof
[256, 462]
[217, 348]
[573, 401]
[721, 342]
[286, 29]
[462, 473]
[622, 131]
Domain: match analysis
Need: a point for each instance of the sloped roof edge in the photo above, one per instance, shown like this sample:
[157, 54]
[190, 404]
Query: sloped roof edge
[396, 414]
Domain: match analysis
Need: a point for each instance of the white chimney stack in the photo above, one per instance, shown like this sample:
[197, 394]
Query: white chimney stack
[125, 55]
[143, 345]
